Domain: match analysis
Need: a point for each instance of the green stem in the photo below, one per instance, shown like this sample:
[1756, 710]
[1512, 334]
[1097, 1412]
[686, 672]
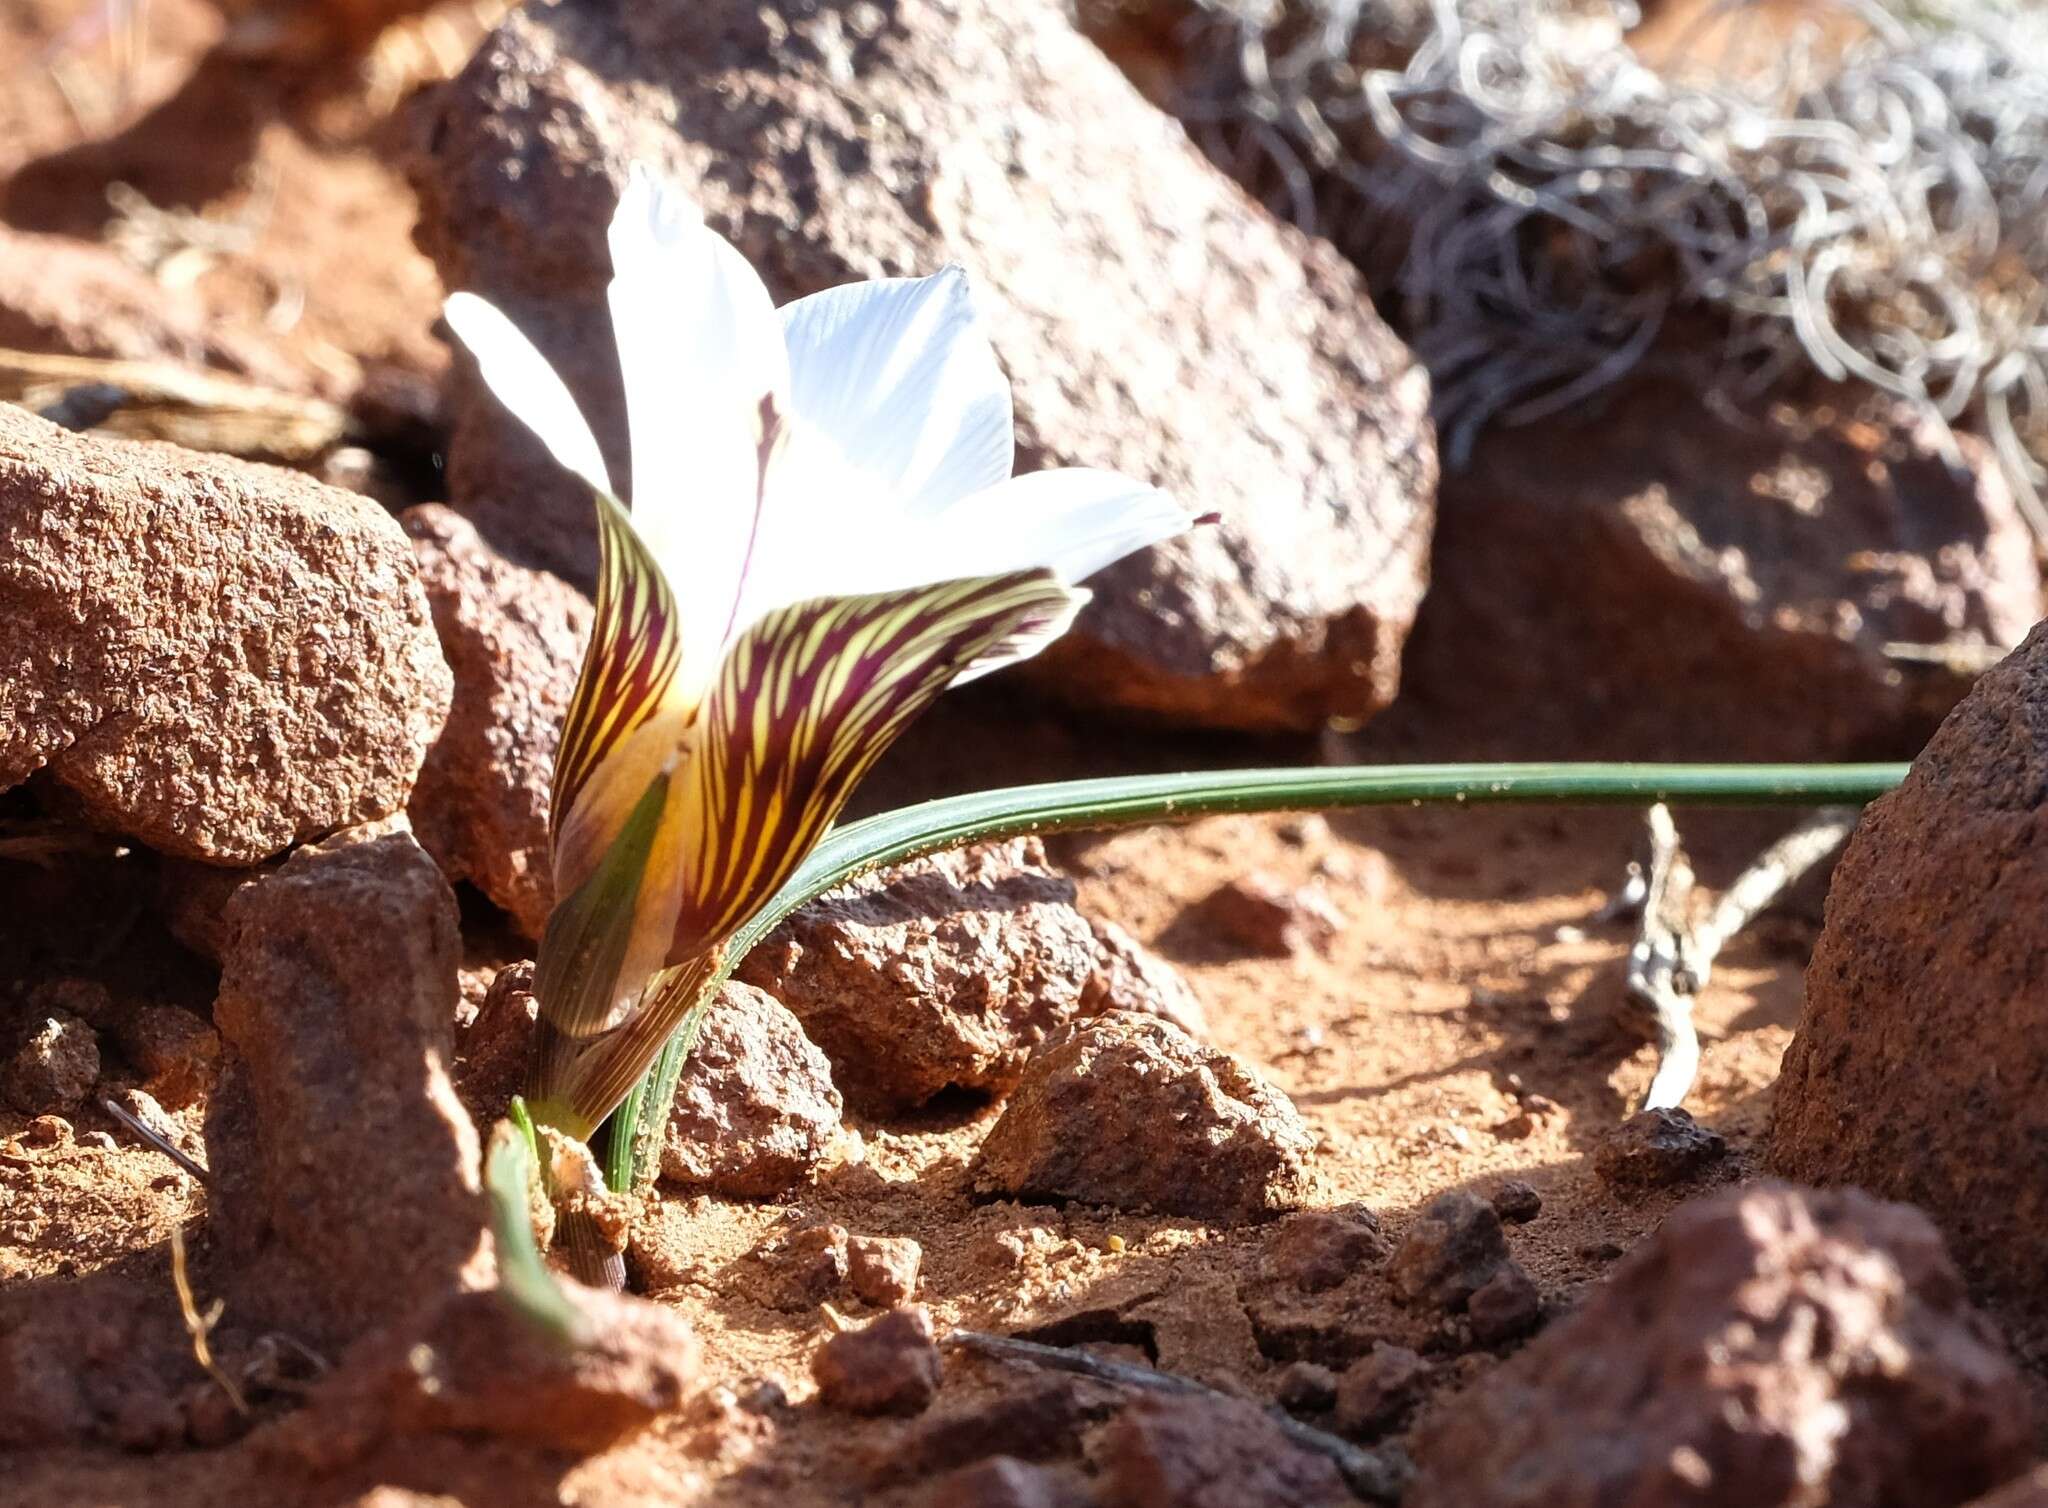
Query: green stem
[1130, 801]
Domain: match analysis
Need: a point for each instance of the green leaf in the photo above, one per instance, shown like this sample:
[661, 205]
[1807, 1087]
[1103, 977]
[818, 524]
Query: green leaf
[1127, 801]
[510, 1170]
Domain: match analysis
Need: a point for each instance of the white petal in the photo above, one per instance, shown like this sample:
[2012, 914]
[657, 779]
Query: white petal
[524, 382]
[705, 368]
[1072, 522]
[900, 375]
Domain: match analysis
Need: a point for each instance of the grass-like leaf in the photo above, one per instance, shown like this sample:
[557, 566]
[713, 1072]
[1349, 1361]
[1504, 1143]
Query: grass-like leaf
[524, 1281]
[1127, 801]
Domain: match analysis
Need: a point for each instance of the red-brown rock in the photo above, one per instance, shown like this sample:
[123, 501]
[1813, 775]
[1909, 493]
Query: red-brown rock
[1453, 1249]
[1260, 915]
[1692, 588]
[494, 1052]
[176, 1052]
[1920, 1067]
[514, 640]
[888, 1367]
[345, 1171]
[943, 973]
[1317, 1249]
[472, 1364]
[1130, 977]
[1505, 1307]
[1379, 1391]
[1199, 1452]
[1129, 1111]
[755, 1110]
[53, 1063]
[883, 1270]
[1771, 1347]
[1150, 316]
[1005, 1482]
[1655, 1148]
[215, 658]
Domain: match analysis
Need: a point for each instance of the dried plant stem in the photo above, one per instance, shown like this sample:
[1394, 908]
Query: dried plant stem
[200, 1326]
[1673, 956]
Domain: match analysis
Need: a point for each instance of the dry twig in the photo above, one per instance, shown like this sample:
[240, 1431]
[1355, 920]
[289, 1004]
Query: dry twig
[1678, 941]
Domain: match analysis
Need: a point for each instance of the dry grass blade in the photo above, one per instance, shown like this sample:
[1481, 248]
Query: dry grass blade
[200, 1326]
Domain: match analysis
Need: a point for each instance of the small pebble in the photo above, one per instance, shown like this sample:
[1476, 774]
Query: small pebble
[1517, 1202]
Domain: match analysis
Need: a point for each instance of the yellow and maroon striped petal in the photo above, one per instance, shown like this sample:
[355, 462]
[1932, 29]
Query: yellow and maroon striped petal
[630, 712]
[806, 701]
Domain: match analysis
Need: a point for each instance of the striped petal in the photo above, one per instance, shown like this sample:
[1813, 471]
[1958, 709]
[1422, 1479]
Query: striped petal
[524, 382]
[707, 378]
[899, 374]
[630, 709]
[806, 701]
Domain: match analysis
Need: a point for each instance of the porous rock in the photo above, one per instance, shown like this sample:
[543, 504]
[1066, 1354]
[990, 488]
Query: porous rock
[888, 1367]
[1451, 1251]
[176, 1052]
[1151, 318]
[755, 1111]
[1770, 1347]
[1129, 1111]
[945, 972]
[1653, 1148]
[470, 1363]
[1694, 588]
[1170, 1451]
[53, 1065]
[215, 658]
[514, 641]
[1919, 1069]
[345, 1170]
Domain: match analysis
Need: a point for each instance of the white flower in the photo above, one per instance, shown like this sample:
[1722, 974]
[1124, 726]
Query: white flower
[825, 534]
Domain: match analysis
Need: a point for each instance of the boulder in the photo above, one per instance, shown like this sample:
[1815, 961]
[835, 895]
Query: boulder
[1152, 318]
[215, 658]
[1920, 1066]
[755, 1111]
[514, 642]
[1770, 1347]
[1697, 590]
[1129, 1111]
[947, 971]
[346, 1182]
